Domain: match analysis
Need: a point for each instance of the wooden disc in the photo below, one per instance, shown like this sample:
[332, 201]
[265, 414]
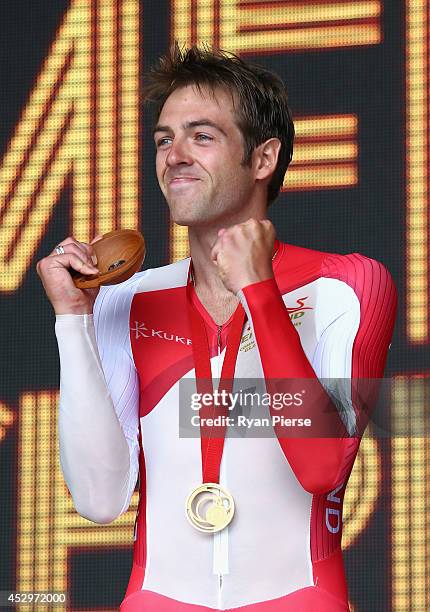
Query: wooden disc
[119, 255]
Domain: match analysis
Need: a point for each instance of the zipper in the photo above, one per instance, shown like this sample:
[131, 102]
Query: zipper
[219, 596]
[219, 351]
[220, 539]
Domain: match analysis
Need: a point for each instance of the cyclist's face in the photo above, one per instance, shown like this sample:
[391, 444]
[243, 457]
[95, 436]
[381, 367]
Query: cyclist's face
[199, 157]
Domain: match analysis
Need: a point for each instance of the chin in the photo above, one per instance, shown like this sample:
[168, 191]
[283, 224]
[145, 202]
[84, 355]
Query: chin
[181, 217]
[181, 221]
[188, 221]
[187, 216]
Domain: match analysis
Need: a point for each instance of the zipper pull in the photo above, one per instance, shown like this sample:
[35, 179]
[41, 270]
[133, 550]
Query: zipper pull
[219, 339]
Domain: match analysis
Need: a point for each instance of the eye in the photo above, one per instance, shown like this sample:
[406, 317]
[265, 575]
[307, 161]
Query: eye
[203, 137]
[165, 140]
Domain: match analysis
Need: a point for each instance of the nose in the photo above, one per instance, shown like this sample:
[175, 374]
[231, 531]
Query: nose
[178, 153]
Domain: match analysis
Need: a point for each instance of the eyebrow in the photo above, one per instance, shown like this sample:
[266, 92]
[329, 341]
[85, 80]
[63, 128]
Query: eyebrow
[190, 124]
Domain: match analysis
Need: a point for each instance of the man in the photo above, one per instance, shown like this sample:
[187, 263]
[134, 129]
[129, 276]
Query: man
[223, 139]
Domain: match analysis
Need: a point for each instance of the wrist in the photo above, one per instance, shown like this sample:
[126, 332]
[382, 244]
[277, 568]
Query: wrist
[73, 309]
[74, 321]
[261, 295]
[251, 281]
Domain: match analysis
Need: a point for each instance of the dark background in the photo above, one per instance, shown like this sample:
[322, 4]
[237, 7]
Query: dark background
[368, 218]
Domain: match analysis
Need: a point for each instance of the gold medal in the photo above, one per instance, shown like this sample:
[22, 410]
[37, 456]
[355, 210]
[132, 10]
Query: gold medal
[209, 508]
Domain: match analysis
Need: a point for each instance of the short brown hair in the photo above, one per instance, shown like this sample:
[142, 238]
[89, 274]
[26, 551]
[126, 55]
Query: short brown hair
[262, 110]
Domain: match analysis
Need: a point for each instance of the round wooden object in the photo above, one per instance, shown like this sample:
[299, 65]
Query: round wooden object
[119, 255]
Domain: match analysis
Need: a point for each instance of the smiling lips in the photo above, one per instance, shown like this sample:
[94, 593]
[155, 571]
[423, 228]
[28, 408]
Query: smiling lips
[183, 178]
[178, 181]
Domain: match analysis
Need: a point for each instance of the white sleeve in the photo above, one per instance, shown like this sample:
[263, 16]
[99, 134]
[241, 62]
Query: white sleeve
[98, 415]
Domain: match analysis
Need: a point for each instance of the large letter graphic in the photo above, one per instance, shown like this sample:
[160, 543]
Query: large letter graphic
[81, 122]
[48, 526]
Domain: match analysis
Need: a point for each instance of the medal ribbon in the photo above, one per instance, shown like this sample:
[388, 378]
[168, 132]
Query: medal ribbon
[212, 446]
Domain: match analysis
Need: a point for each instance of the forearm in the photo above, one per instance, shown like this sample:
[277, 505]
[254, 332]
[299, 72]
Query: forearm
[94, 451]
[318, 461]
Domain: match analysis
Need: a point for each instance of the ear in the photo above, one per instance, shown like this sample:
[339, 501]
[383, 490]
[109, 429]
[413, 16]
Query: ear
[266, 158]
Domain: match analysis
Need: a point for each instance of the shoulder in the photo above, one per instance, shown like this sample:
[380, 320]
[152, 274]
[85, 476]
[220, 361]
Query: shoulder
[364, 275]
[372, 284]
[166, 277]
[116, 299]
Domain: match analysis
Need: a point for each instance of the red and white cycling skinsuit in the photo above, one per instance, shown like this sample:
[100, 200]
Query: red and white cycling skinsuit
[324, 315]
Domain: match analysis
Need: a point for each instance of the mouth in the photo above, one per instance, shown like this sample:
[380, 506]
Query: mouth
[182, 181]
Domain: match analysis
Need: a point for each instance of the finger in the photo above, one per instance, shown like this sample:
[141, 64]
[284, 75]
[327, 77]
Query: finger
[63, 244]
[268, 225]
[49, 264]
[215, 250]
[67, 242]
[78, 264]
[270, 232]
[74, 248]
[69, 245]
[90, 251]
